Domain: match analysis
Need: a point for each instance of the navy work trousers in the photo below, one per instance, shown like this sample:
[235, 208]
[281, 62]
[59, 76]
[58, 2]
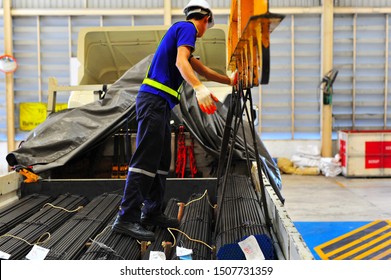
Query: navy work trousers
[150, 163]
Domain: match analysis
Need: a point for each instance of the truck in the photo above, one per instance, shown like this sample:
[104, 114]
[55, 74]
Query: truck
[223, 188]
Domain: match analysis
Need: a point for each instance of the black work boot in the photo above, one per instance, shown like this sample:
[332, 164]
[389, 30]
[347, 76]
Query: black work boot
[160, 220]
[134, 230]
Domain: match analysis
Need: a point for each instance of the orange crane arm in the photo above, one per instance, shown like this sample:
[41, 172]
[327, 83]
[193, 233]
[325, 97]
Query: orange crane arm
[250, 25]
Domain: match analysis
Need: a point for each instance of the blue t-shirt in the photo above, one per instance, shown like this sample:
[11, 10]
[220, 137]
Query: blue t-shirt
[163, 68]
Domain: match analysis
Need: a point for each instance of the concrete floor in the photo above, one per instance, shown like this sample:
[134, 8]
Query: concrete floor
[320, 198]
[341, 212]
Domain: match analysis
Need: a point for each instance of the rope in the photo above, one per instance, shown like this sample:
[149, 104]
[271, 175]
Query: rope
[201, 197]
[140, 242]
[24, 240]
[99, 234]
[188, 237]
[61, 208]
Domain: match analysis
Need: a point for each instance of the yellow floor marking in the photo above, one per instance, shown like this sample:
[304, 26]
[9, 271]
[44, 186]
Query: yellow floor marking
[366, 245]
[325, 256]
[375, 249]
[382, 255]
[348, 234]
[357, 241]
[340, 184]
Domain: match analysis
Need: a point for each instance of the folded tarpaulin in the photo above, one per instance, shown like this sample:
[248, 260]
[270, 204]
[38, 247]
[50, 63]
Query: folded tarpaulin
[70, 133]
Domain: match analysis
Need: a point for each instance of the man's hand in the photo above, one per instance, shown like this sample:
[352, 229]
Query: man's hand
[206, 100]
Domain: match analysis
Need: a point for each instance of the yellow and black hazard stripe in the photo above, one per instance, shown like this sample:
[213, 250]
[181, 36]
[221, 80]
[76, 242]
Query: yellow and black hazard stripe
[369, 242]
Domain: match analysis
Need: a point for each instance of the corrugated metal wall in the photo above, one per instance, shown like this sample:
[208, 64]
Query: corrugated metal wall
[294, 3]
[361, 54]
[289, 105]
[43, 47]
[179, 4]
[369, 71]
[290, 102]
[362, 3]
[92, 4]
[176, 4]
[112, 4]
[276, 98]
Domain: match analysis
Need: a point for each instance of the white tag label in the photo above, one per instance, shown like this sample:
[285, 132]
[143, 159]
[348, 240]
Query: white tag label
[251, 249]
[37, 253]
[181, 251]
[4, 255]
[157, 256]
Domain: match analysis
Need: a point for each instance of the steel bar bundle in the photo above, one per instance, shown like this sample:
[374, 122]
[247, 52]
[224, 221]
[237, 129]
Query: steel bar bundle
[241, 212]
[17, 212]
[162, 235]
[109, 245]
[196, 224]
[69, 241]
[19, 240]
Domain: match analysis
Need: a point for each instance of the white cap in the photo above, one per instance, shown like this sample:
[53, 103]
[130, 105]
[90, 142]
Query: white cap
[201, 7]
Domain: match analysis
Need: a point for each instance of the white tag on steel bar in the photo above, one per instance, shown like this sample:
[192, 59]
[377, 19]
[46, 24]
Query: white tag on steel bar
[4, 255]
[157, 256]
[37, 253]
[251, 249]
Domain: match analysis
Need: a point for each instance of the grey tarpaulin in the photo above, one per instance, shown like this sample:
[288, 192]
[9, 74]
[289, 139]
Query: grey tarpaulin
[209, 130]
[68, 133]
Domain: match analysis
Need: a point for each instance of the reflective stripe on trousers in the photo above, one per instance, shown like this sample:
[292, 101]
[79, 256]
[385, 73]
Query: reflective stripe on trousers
[150, 163]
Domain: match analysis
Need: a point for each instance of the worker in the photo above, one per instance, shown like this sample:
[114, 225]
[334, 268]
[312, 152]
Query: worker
[172, 63]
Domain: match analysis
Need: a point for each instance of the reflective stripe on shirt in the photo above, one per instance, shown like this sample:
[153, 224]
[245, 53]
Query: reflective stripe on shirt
[162, 87]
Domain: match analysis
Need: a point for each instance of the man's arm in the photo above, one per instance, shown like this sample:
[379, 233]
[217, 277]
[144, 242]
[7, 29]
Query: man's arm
[208, 73]
[205, 98]
[184, 67]
[187, 69]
